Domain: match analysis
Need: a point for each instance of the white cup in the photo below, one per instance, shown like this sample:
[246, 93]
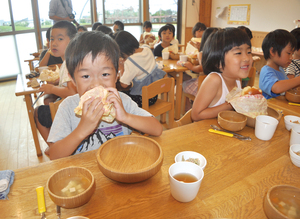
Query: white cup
[181, 191]
[295, 135]
[183, 58]
[265, 127]
[165, 55]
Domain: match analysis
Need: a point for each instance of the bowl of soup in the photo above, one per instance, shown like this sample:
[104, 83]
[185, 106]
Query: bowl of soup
[71, 187]
[282, 202]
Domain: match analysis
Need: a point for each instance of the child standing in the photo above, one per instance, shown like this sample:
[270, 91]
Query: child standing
[166, 35]
[226, 59]
[140, 68]
[278, 47]
[147, 37]
[92, 60]
[61, 34]
[294, 68]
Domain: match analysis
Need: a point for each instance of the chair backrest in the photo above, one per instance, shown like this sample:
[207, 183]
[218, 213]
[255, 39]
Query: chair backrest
[201, 79]
[184, 120]
[53, 108]
[252, 74]
[165, 89]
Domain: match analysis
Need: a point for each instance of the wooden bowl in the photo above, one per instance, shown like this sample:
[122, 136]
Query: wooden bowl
[271, 112]
[293, 95]
[232, 121]
[129, 158]
[60, 180]
[285, 195]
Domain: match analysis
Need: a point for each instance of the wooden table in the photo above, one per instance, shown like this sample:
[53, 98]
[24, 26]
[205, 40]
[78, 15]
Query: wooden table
[23, 90]
[176, 71]
[281, 102]
[236, 179]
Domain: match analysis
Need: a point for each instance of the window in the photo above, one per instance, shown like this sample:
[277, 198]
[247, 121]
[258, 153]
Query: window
[163, 11]
[5, 22]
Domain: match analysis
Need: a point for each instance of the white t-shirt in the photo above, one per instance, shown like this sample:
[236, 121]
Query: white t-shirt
[145, 59]
[63, 75]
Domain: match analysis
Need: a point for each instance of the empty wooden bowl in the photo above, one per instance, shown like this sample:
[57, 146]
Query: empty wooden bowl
[282, 202]
[129, 158]
[232, 121]
[271, 112]
[63, 182]
[293, 95]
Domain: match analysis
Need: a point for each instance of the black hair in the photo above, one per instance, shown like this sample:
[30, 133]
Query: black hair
[127, 43]
[104, 29]
[198, 26]
[296, 34]
[119, 24]
[82, 27]
[71, 29]
[165, 28]
[206, 34]
[247, 30]
[147, 24]
[94, 43]
[173, 28]
[48, 33]
[95, 25]
[278, 40]
[218, 44]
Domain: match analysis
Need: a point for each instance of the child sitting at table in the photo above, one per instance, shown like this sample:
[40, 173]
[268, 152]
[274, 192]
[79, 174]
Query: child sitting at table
[147, 37]
[226, 59]
[165, 34]
[61, 34]
[278, 47]
[140, 68]
[92, 59]
[293, 70]
[197, 31]
[46, 57]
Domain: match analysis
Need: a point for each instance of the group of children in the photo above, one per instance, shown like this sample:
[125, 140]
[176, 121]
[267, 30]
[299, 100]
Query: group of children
[94, 58]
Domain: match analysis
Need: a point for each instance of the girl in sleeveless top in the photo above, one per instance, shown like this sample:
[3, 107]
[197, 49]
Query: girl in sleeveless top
[226, 59]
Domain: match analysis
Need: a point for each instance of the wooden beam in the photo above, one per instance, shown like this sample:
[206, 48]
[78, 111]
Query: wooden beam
[205, 12]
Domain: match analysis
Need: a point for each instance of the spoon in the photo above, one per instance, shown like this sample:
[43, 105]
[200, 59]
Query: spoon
[220, 129]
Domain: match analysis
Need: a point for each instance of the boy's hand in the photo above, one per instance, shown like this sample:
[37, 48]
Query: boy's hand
[114, 97]
[92, 111]
[46, 88]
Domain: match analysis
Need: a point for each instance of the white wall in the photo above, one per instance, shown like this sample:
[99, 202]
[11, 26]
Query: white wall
[192, 12]
[265, 15]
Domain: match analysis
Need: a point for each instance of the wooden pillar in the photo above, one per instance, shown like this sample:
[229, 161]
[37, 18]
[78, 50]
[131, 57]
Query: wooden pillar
[205, 12]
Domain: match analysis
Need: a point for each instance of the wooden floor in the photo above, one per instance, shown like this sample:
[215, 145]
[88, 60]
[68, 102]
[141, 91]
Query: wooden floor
[17, 148]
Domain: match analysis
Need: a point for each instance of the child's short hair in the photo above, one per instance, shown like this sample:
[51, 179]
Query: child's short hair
[206, 34]
[278, 40]
[48, 33]
[198, 26]
[104, 29]
[82, 27]
[127, 43]
[247, 30]
[296, 34]
[147, 24]
[218, 44]
[173, 28]
[95, 25]
[94, 43]
[119, 24]
[71, 29]
[165, 28]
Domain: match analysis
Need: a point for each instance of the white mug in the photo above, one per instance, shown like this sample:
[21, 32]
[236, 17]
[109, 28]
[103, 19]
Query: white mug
[183, 191]
[183, 58]
[165, 55]
[295, 135]
[265, 127]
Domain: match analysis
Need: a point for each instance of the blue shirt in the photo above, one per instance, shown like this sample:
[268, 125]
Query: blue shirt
[268, 77]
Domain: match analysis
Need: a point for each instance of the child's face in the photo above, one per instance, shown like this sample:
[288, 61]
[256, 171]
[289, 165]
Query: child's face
[92, 74]
[115, 28]
[199, 33]
[59, 41]
[238, 62]
[148, 29]
[166, 36]
[285, 58]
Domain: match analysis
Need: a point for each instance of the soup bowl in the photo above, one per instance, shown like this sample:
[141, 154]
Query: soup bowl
[232, 121]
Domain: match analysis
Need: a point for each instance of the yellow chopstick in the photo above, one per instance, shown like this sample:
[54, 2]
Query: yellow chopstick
[294, 104]
[220, 132]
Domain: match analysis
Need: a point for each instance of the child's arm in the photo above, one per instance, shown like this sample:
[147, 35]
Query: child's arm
[148, 125]
[210, 90]
[284, 85]
[62, 92]
[92, 112]
[45, 59]
[174, 56]
[141, 39]
[194, 68]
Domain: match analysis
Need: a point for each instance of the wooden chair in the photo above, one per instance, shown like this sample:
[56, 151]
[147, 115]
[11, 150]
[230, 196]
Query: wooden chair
[252, 74]
[53, 108]
[164, 104]
[190, 96]
[184, 120]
